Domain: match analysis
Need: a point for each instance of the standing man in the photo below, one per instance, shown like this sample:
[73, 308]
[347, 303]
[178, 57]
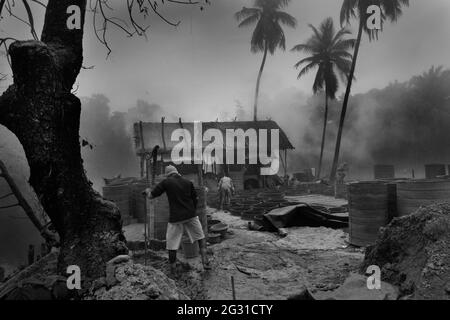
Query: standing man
[183, 204]
[226, 189]
[340, 177]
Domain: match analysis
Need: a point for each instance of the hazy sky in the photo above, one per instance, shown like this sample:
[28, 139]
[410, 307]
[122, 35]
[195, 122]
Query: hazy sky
[205, 64]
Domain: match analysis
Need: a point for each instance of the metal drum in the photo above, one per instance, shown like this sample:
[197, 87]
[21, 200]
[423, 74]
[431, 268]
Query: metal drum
[413, 194]
[121, 195]
[433, 171]
[368, 211]
[382, 171]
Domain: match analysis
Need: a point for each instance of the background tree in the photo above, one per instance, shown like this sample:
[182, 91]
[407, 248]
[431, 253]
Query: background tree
[390, 9]
[268, 34]
[40, 109]
[329, 53]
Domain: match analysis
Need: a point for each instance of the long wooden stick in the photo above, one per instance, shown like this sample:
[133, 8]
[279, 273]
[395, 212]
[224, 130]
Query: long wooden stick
[163, 137]
[22, 202]
[141, 136]
[151, 205]
[20, 198]
[145, 230]
[232, 288]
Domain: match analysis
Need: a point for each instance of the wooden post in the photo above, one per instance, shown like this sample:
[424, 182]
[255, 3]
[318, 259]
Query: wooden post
[200, 175]
[144, 160]
[142, 166]
[151, 204]
[285, 163]
[143, 157]
[145, 230]
[233, 290]
[147, 171]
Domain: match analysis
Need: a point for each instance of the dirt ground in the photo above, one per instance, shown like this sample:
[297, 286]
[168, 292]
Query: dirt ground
[413, 253]
[265, 266]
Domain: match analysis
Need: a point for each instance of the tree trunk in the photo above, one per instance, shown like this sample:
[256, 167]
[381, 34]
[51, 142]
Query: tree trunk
[325, 120]
[41, 111]
[345, 103]
[258, 81]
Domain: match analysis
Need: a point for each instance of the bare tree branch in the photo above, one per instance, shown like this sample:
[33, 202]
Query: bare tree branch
[103, 17]
[132, 27]
[2, 3]
[39, 3]
[30, 19]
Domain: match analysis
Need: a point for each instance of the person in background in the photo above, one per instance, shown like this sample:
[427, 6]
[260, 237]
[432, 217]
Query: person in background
[341, 172]
[182, 204]
[226, 189]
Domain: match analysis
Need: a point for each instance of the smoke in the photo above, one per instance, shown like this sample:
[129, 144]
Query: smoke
[404, 124]
[108, 138]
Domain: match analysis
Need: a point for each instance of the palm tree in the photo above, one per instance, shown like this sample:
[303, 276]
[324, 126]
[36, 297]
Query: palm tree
[329, 53]
[268, 34]
[390, 9]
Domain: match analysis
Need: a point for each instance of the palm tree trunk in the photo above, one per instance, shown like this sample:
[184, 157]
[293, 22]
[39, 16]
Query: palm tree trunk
[325, 120]
[255, 108]
[345, 103]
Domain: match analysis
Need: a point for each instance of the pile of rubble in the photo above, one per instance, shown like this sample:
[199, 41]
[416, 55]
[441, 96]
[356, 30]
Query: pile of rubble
[413, 253]
[126, 280]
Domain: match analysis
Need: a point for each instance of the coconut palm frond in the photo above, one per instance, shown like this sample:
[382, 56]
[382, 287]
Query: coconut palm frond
[268, 34]
[341, 34]
[306, 69]
[246, 13]
[390, 10]
[336, 55]
[258, 38]
[303, 47]
[272, 4]
[319, 81]
[344, 44]
[250, 20]
[329, 50]
[285, 19]
[317, 34]
[306, 60]
[348, 11]
[268, 19]
[393, 9]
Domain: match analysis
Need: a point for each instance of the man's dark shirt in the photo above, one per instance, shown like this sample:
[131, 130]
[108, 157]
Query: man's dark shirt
[182, 197]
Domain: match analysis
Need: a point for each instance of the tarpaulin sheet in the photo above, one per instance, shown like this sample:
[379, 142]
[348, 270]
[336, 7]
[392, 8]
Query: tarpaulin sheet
[301, 215]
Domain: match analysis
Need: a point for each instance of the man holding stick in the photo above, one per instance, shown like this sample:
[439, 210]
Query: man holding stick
[183, 204]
